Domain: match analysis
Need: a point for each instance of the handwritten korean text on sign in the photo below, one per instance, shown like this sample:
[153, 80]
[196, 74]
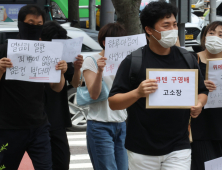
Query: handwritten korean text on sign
[71, 48]
[117, 48]
[34, 61]
[214, 74]
[176, 88]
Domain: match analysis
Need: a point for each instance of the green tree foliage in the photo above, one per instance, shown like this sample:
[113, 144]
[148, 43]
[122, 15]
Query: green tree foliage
[2, 149]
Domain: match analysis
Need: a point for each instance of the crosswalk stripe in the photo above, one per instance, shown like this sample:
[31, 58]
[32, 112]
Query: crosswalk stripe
[77, 143]
[76, 133]
[76, 136]
[78, 161]
[79, 157]
[80, 165]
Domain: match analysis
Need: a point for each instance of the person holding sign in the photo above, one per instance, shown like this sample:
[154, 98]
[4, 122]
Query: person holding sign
[207, 128]
[156, 138]
[23, 122]
[56, 104]
[106, 129]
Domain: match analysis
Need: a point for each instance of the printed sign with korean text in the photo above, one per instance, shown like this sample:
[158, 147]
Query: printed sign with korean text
[214, 74]
[117, 48]
[177, 88]
[34, 61]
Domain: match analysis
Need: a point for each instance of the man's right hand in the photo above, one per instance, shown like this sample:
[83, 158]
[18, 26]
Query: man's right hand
[101, 64]
[147, 87]
[5, 63]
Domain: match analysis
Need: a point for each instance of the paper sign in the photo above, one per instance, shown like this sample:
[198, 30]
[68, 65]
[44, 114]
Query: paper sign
[117, 48]
[34, 61]
[71, 48]
[177, 88]
[215, 164]
[214, 74]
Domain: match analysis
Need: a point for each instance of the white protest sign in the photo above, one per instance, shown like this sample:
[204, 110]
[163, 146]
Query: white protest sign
[214, 73]
[34, 61]
[117, 48]
[177, 88]
[71, 48]
[215, 164]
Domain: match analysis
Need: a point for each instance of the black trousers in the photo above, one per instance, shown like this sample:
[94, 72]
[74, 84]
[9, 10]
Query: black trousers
[203, 151]
[35, 141]
[60, 149]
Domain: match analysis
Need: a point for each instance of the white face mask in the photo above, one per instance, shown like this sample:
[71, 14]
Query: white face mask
[213, 44]
[168, 38]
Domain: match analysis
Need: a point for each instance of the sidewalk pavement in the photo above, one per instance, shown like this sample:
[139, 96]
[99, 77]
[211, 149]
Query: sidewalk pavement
[26, 163]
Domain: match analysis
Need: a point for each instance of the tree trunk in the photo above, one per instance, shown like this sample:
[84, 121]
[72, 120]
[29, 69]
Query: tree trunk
[128, 14]
[73, 13]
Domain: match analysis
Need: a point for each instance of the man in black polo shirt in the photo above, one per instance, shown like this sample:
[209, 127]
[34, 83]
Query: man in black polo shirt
[156, 138]
[23, 123]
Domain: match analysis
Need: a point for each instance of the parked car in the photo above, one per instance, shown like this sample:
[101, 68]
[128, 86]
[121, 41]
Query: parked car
[193, 32]
[90, 47]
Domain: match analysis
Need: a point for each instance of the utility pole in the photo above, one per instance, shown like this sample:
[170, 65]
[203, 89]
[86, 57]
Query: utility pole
[106, 13]
[184, 16]
[92, 14]
[212, 11]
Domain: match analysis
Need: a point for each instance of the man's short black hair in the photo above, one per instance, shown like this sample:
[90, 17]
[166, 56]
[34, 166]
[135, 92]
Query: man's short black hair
[154, 11]
[52, 30]
[30, 9]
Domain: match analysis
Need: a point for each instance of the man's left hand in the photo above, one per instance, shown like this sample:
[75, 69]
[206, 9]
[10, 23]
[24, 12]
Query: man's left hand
[196, 110]
[62, 65]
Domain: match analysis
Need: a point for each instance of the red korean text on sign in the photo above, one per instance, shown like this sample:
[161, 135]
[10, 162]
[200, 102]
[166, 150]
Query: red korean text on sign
[180, 79]
[186, 79]
[174, 79]
[220, 67]
[164, 79]
[110, 68]
[158, 79]
[215, 67]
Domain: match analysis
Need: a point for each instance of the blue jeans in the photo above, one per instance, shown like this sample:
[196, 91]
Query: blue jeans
[105, 144]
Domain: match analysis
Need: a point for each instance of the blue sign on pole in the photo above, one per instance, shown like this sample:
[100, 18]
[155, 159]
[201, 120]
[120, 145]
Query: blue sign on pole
[9, 12]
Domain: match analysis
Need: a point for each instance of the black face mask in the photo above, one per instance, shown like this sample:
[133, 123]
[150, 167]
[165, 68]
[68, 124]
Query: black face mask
[29, 32]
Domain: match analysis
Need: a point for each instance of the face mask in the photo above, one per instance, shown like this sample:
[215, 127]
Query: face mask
[168, 38]
[29, 32]
[213, 44]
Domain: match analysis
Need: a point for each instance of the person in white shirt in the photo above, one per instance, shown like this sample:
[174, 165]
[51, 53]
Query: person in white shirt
[106, 129]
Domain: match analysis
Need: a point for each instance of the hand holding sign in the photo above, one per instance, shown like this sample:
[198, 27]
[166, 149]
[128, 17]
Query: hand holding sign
[5, 63]
[101, 64]
[78, 63]
[62, 65]
[147, 87]
[210, 85]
